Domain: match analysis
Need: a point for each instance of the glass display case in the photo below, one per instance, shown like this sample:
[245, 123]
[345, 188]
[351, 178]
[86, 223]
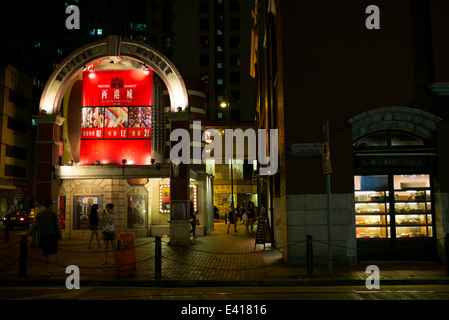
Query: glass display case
[407, 213]
[413, 213]
[372, 211]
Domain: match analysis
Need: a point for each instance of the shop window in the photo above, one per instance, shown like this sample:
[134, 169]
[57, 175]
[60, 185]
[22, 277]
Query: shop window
[136, 211]
[82, 206]
[164, 197]
[398, 206]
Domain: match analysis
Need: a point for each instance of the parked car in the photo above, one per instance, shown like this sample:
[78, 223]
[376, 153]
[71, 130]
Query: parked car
[21, 218]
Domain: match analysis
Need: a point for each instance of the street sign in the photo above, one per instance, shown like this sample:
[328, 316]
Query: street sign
[306, 149]
[327, 168]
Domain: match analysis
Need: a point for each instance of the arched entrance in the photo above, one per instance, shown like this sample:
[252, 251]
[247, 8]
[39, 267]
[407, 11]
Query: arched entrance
[116, 177]
[395, 164]
[115, 48]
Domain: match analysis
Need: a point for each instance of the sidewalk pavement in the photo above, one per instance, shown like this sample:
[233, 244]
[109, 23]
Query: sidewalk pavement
[217, 259]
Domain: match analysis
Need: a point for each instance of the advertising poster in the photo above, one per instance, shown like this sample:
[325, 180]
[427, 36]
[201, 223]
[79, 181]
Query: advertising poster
[139, 122]
[136, 211]
[116, 117]
[92, 123]
[116, 123]
[82, 206]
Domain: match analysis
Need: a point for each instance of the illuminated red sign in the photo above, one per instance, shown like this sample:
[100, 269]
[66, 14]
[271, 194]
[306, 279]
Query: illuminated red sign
[117, 88]
[116, 111]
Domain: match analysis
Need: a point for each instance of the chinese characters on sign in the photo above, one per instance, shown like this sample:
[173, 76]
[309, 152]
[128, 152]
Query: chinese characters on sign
[116, 106]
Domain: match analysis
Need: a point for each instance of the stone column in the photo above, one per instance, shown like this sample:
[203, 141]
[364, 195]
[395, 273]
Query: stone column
[179, 188]
[47, 154]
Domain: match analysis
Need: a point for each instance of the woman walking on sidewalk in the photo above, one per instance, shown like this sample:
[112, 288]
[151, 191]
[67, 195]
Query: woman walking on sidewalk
[108, 218]
[251, 217]
[232, 217]
[93, 223]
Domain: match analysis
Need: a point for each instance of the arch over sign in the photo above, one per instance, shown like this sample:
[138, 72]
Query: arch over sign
[416, 121]
[115, 48]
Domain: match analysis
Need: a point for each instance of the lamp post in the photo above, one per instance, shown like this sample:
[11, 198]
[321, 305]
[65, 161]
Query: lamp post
[227, 103]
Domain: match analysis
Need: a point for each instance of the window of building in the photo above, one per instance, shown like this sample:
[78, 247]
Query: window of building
[167, 42]
[16, 152]
[204, 60]
[15, 171]
[17, 125]
[204, 6]
[234, 7]
[235, 78]
[204, 42]
[235, 60]
[205, 77]
[388, 139]
[234, 42]
[204, 24]
[235, 24]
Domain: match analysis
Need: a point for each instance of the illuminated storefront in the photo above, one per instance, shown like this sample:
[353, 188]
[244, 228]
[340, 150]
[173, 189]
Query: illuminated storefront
[394, 196]
[111, 114]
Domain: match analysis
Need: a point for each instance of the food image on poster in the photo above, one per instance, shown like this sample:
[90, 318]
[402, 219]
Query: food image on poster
[92, 123]
[136, 211]
[116, 123]
[139, 125]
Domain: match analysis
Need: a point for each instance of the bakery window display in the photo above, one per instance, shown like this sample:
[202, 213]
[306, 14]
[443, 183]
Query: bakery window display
[372, 214]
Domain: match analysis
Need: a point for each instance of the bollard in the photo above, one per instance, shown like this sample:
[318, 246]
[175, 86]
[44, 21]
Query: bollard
[309, 255]
[157, 259]
[23, 255]
[446, 246]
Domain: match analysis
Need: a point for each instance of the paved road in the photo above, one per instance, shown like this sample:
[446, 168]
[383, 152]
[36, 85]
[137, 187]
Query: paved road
[423, 292]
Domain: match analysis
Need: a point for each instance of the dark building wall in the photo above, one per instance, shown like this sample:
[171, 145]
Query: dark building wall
[334, 68]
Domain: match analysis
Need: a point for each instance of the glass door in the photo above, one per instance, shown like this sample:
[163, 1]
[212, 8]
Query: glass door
[372, 207]
[412, 206]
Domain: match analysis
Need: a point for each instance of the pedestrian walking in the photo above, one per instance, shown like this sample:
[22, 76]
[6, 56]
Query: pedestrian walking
[93, 224]
[34, 230]
[251, 218]
[232, 218]
[193, 218]
[262, 211]
[108, 218]
[49, 233]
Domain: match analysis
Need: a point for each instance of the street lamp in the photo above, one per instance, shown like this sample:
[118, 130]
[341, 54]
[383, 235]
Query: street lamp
[226, 103]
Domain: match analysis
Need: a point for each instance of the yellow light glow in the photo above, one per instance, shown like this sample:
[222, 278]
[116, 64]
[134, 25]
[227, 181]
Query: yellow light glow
[195, 197]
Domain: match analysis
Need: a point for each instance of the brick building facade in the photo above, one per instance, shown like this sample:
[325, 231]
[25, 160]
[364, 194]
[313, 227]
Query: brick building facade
[316, 62]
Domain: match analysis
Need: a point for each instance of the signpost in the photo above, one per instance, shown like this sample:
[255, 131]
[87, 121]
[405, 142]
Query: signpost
[263, 232]
[327, 170]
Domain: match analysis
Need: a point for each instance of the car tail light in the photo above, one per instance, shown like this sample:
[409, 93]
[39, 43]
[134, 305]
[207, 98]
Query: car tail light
[21, 219]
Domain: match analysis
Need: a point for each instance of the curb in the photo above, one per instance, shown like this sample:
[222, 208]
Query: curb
[208, 283]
